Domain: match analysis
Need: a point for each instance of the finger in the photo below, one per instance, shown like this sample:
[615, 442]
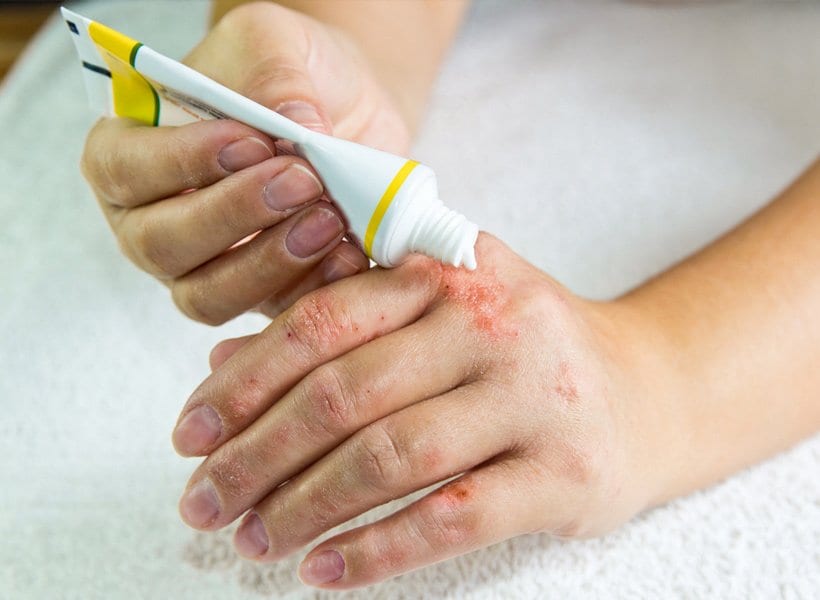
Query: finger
[320, 327]
[246, 275]
[225, 349]
[172, 237]
[129, 164]
[402, 453]
[329, 405]
[280, 80]
[482, 507]
[345, 260]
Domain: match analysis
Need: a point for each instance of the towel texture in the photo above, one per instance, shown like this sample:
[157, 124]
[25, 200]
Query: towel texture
[602, 140]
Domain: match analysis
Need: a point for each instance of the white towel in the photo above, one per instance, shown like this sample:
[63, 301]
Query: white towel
[602, 140]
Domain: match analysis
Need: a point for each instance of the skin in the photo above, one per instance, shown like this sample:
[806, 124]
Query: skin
[335, 73]
[338, 397]
[556, 414]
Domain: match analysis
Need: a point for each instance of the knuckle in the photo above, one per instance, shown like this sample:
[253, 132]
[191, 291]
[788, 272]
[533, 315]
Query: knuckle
[235, 211]
[588, 489]
[108, 175]
[443, 526]
[577, 462]
[422, 272]
[580, 465]
[193, 300]
[235, 206]
[131, 238]
[190, 162]
[270, 78]
[232, 473]
[246, 396]
[125, 244]
[330, 399]
[379, 459]
[145, 247]
[325, 506]
[318, 322]
[92, 154]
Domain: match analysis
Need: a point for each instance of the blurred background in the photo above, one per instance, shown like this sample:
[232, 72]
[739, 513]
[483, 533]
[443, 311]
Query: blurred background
[19, 21]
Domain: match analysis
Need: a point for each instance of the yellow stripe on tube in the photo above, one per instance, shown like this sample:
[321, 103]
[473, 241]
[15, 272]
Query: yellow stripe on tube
[134, 97]
[384, 204]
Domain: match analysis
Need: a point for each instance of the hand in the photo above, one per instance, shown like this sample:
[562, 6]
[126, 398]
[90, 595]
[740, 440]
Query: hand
[388, 382]
[143, 177]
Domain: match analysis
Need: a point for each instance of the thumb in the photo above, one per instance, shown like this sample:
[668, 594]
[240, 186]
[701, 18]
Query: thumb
[285, 86]
[261, 50]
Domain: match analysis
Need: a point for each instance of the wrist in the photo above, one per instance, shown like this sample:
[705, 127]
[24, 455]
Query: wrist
[643, 358]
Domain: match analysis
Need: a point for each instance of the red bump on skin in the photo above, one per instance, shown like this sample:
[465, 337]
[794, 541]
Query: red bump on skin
[317, 318]
[454, 494]
[483, 296]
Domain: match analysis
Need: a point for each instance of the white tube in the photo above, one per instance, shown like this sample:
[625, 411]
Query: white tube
[391, 204]
[173, 79]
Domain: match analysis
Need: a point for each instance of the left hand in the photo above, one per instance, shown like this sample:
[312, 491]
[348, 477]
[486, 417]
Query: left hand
[390, 381]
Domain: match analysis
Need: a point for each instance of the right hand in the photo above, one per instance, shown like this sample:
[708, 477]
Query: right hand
[143, 176]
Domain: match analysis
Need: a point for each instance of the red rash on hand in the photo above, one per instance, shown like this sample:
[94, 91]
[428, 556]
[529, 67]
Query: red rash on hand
[483, 296]
[454, 494]
[242, 399]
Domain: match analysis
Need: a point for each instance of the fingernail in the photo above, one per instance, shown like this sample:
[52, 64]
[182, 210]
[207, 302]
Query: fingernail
[337, 267]
[251, 538]
[303, 113]
[200, 506]
[313, 231]
[292, 187]
[243, 153]
[322, 568]
[199, 429]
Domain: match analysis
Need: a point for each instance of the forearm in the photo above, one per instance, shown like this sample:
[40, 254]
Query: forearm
[738, 343]
[404, 41]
